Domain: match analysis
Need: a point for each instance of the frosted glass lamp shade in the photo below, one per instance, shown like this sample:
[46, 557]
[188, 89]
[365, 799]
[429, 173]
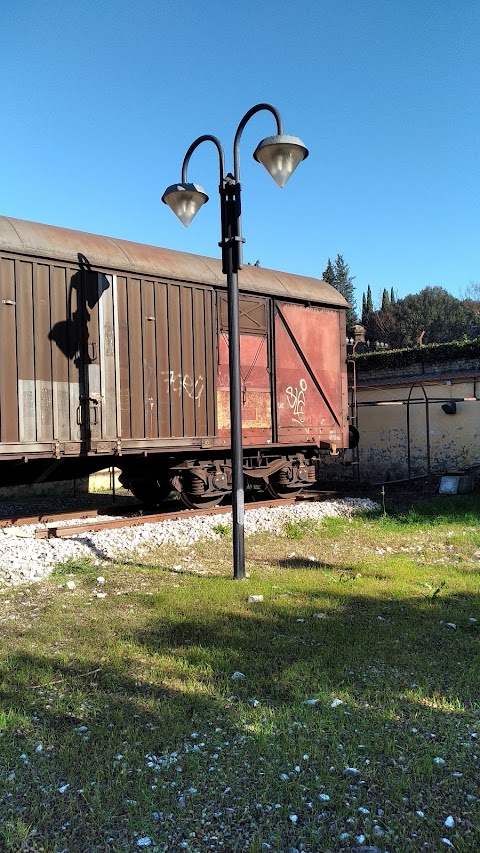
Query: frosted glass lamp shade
[185, 200]
[280, 155]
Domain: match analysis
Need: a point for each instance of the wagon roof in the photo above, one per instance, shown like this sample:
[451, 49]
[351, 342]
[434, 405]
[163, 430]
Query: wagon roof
[49, 241]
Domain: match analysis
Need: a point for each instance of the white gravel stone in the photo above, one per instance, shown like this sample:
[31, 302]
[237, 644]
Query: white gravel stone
[24, 559]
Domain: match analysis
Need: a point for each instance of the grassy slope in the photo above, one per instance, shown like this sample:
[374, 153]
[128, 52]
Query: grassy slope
[129, 699]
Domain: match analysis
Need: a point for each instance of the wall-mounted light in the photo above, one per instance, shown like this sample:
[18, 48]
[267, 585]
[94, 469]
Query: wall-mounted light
[450, 408]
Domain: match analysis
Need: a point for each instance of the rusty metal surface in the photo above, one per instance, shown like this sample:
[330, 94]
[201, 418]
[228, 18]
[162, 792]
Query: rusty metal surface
[50, 241]
[166, 352]
[114, 347]
[49, 517]
[255, 389]
[94, 359]
[310, 375]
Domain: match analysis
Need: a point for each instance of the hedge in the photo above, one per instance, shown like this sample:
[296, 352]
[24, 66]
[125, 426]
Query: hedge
[428, 354]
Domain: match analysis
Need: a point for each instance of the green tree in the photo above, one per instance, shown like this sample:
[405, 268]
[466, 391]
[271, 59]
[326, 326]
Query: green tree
[367, 306]
[392, 296]
[338, 275]
[443, 317]
[329, 274]
[440, 315]
[385, 299]
[369, 300]
[434, 311]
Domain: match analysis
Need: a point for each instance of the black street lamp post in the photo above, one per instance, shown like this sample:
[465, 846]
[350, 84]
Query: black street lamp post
[280, 155]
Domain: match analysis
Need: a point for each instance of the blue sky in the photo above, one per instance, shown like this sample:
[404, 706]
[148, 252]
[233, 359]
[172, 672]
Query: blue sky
[100, 101]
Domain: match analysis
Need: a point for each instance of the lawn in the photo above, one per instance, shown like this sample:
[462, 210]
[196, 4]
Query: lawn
[351, 722]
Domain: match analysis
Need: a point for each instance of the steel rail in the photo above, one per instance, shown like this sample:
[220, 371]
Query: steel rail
[48, 517]
[95, 526]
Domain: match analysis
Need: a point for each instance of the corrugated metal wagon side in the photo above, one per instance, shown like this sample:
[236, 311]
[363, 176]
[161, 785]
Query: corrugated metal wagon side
[117, 353]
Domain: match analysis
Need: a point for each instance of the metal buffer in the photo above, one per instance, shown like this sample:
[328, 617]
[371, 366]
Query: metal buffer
[280, 154]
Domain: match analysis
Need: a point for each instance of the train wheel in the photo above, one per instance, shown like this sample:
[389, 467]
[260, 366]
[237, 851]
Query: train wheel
[150, 492]
[280, 493]
[200, 501]
[280, 485]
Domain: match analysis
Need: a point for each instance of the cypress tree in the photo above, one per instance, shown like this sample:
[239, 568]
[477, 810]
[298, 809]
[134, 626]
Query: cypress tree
[329, 274]
[344, 284]
[338, 275]
[364, 310]
[369, 300]
[385, 299]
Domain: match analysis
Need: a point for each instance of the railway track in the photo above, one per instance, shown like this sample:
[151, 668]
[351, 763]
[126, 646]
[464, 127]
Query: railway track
[86, 520]
[66, 530]
[49, 517]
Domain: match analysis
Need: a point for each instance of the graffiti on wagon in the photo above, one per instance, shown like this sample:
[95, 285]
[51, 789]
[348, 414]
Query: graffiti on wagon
[296, 401]
[179, 383]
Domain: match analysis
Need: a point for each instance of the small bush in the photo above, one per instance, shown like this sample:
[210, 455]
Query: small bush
[74, 567]
[222, 529]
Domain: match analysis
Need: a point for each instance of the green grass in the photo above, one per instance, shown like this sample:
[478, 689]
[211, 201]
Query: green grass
[128, 700]
[222, 529]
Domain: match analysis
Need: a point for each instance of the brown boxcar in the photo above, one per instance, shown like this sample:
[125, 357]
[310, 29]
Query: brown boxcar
[116, 353]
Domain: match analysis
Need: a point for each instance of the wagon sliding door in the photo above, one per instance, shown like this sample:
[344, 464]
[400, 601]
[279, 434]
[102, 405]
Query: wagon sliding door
[311, 399]
[167, 345]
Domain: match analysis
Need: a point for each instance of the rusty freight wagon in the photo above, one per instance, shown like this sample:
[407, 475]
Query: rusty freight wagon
[116, 353]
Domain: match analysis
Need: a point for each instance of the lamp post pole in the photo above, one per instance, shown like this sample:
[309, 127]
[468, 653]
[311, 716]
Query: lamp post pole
[231, 256]
[280, 155]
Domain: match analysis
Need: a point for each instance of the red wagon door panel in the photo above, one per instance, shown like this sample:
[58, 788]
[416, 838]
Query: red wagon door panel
[311, 382]
[254, 372]
[255, 390]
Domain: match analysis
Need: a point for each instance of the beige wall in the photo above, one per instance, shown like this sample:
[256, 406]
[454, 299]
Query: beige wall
[453, 440]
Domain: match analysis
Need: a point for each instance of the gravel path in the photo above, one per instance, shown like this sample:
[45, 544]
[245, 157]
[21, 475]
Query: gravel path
[24, 559]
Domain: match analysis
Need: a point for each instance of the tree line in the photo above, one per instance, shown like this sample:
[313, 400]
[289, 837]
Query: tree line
[431, 316]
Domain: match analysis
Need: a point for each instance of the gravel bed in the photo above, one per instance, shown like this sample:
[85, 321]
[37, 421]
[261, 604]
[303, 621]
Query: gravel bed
[24, 559]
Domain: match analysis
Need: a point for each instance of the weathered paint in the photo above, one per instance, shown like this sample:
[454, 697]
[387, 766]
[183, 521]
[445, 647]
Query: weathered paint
[115, 345]
[453, 440]
[255, 390]
[311, 388]
[49, 241]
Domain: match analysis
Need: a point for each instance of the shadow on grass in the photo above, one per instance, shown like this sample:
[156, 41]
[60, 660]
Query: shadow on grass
[394, 663]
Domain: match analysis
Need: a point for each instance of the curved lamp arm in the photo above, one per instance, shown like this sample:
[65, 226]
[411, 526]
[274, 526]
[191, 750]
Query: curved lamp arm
[207, 137]
[246, 118]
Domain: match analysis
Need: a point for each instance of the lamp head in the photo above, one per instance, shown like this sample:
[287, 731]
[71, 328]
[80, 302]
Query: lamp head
[280, 155]
[185, 200]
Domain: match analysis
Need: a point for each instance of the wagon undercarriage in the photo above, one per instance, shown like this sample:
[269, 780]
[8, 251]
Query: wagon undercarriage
[205, 483]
